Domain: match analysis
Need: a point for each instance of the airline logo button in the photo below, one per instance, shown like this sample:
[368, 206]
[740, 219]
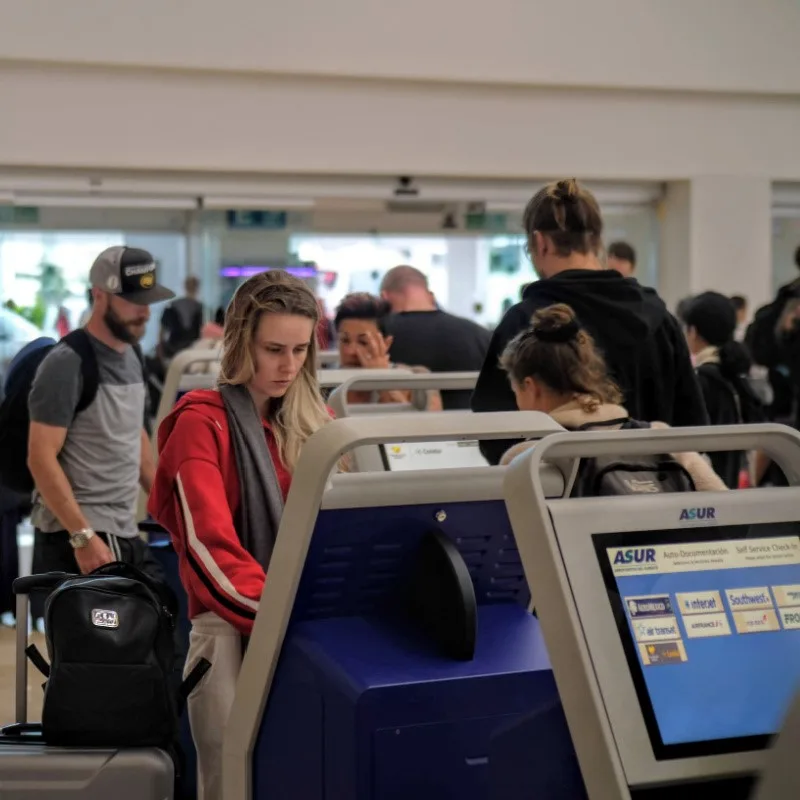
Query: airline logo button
[756, 621]
[750, 598]
[699, 602]
[662, 653]
[704, 625]
[651, 605]
[790, 617]
[656, 630]
[787, 595]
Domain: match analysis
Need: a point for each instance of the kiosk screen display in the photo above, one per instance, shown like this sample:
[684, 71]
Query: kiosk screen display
[432, 455]
[710, 622]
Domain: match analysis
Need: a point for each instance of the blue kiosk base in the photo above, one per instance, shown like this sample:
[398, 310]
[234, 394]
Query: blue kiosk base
[360, 709]
[534, 758]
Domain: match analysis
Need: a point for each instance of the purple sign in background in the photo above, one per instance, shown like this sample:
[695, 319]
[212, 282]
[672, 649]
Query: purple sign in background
[247, 271]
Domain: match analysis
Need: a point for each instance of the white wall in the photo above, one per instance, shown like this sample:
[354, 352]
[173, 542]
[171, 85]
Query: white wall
[147, 120]
[728, 45]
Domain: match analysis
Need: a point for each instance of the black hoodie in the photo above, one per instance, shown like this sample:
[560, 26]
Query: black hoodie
[642, 343]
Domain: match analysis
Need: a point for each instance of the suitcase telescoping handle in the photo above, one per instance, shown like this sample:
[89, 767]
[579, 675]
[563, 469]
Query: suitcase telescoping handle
[22, 587]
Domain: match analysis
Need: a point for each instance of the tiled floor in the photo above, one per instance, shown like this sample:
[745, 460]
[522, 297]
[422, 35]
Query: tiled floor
[7, 651]
[7, 681]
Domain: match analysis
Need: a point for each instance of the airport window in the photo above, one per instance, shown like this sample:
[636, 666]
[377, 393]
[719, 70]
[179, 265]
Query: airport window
[43, 271]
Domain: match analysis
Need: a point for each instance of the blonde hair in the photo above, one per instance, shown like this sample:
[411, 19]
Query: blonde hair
[563, 356]
[301, 411]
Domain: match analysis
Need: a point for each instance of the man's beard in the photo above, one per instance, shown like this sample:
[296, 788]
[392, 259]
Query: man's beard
[119, 329]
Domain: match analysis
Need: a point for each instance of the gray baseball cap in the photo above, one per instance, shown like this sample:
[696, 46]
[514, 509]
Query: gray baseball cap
[129, 273]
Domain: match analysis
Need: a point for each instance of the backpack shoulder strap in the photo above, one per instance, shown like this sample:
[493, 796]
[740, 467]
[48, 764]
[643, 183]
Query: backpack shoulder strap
[79, 341]
[137, 349]
[608, 423]
[714, 372]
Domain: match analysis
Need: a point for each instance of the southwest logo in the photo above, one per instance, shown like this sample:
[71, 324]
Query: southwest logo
[698, 513]
[640, 555]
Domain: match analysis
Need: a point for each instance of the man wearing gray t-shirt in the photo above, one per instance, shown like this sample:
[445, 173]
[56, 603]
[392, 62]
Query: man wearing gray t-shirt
[88, 466]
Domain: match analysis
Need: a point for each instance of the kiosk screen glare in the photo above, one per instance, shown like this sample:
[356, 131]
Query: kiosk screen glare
[433, 455]
[711, 628]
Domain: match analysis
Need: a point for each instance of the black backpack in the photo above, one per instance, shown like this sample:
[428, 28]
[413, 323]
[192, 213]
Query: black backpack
[14, 416]
[611, 475]
[748, 405]
[110, 680]
[760, 338]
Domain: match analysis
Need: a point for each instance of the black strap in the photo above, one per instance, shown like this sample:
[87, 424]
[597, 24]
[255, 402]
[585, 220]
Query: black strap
[190, 682]
[79, 341]
[609, 423]
[37, 659]
[43, 580]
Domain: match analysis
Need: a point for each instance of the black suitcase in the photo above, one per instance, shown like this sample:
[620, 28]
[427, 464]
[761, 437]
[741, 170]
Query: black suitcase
[32, 770]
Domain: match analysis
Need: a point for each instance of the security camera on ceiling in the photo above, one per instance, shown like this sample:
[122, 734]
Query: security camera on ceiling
[405, 187]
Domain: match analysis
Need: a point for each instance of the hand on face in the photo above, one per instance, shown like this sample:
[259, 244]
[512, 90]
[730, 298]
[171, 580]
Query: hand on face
[373, 350]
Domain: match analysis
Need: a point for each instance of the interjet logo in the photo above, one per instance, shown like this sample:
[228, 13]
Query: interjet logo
[701, 604]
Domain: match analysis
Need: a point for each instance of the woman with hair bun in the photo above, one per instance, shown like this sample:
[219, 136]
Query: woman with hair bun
[723, 366]
[227, 456]
[641, 341]
[555, 367]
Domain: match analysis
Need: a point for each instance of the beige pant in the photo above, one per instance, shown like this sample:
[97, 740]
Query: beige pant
[210, 703]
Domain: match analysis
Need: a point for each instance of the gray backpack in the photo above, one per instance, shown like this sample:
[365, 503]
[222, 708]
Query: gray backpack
[614, 475]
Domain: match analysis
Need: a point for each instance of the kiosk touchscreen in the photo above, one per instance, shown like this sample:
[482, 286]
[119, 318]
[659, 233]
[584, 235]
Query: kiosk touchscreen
[709, 620]
[400, 457]
[672, 621]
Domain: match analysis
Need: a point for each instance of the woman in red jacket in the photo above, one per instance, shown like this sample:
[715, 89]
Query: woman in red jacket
[226, 458]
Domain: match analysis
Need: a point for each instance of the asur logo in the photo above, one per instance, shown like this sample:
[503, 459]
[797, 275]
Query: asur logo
[640, 555]
[698, 513]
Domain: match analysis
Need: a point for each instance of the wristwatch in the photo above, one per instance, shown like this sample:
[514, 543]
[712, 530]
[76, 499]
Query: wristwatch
[80, 539]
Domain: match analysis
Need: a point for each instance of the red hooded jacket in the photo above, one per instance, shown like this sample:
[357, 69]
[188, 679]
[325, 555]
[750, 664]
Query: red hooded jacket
[195, 496]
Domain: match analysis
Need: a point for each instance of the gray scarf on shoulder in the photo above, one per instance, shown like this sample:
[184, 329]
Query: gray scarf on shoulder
[261, 502]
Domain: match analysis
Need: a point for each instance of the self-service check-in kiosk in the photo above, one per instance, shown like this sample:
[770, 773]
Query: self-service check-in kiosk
[399, 456]
[364, 678]
[780, 779]
[672, 623]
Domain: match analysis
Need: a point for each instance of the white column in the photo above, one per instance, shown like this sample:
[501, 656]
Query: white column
[716, 234]
[204, 247]
[466, 263]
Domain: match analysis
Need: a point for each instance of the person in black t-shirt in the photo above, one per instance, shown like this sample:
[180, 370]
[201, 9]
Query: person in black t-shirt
[181, 322]
[426, 336]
